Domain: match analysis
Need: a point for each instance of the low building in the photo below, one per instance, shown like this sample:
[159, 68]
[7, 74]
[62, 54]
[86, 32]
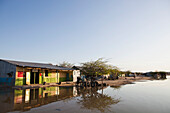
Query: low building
[16, 73]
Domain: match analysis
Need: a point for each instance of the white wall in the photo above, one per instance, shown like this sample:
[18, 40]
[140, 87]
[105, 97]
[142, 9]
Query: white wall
[76, 73]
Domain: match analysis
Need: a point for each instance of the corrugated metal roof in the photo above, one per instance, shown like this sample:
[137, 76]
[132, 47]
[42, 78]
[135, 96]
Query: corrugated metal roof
[36, 65]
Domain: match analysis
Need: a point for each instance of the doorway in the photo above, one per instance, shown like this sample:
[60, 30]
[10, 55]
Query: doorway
[34, 78]
[37, 78]
[67, 77]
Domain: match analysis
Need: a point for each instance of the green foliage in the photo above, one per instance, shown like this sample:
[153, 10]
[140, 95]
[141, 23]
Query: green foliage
[97, 68]
[66, 64]
[126, 72]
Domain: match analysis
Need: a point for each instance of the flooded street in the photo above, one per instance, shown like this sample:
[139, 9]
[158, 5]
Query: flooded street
[141, 97]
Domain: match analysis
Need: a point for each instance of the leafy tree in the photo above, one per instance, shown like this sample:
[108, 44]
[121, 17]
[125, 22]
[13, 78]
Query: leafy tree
[97, 68]
[114, 71]
[128, 72]
[66, 64]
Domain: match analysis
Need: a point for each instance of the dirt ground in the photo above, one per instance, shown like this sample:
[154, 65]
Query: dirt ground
[123, 81]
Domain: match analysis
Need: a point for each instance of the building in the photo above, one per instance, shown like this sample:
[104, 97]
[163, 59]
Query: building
[16, 73]
[156, 75]
[83, 76]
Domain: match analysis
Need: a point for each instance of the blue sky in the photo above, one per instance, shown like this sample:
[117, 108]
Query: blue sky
[134, 35]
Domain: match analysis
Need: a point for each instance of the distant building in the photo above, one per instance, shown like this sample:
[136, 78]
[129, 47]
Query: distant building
[156, 75]
[14, 73]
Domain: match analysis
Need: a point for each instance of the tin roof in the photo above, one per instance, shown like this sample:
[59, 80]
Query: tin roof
[36, 65]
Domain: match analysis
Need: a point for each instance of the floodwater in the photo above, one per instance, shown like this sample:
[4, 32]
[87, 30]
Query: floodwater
[141, 97]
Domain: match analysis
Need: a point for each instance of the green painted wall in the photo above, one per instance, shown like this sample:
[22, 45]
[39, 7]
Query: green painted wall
[41, 79]
[50, 80]
[50, 89]
[40, 91]
[63, 79]
[18, 92]
[20, 81]
[71, 78]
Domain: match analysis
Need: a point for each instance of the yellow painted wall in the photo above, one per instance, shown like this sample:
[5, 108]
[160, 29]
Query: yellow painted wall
[28, 78]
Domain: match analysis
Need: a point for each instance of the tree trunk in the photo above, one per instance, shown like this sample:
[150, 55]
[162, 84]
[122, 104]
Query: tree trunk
[102, 81]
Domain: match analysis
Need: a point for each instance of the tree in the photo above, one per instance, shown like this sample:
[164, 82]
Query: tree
[114, 71]
[97, 68]
[128, 72]
[66, 64]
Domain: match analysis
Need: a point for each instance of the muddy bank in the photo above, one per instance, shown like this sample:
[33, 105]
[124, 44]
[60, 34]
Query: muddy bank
[123, 81]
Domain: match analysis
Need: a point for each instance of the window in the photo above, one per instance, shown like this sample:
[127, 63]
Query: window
[46, 73]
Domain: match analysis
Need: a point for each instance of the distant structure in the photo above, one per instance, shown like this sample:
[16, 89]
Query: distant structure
[156, 75]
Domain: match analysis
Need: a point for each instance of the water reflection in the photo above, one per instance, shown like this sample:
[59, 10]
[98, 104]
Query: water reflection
[24, 100]
[93, 100]
[30, 98]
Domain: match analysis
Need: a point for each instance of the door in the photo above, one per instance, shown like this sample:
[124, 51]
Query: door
[37, 78]
[67, 76]
[32, 78]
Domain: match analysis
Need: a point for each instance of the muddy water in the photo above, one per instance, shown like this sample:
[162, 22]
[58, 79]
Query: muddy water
[141, 97]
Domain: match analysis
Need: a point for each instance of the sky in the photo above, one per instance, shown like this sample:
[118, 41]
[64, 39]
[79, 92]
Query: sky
[131, 34]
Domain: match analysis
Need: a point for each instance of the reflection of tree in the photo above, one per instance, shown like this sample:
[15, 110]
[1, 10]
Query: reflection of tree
[91, 100]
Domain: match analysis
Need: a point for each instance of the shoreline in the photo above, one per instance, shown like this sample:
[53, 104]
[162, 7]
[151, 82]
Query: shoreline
[112, 83]
[124, 80]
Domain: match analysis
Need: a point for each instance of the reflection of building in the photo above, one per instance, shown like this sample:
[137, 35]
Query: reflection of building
[6, 100]
[30, 98]
[26, 73]
[74, 91]
[24, 100]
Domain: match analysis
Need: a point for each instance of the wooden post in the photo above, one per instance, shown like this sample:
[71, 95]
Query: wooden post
[23, 76]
